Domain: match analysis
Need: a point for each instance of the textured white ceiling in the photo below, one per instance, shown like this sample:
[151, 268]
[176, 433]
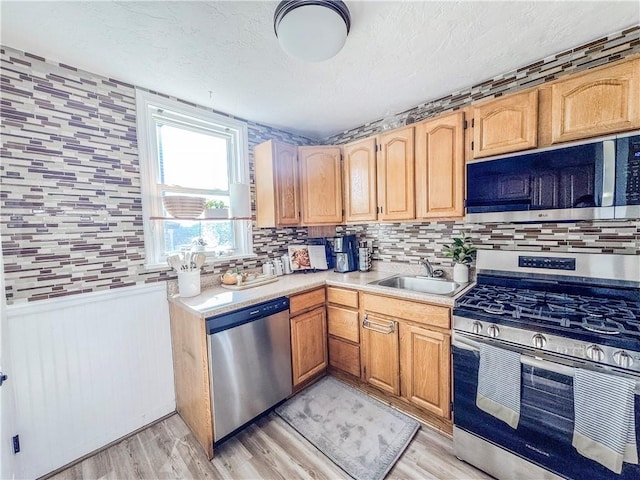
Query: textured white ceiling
[224, 54]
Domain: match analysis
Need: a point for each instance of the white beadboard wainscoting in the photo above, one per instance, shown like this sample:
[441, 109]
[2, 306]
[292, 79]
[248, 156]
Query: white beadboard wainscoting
[88, 370]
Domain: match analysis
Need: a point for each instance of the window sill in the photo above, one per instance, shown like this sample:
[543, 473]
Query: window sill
[181, 219]
[211, 260]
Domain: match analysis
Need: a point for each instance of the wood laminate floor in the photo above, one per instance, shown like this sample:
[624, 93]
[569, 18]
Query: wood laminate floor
[267, 449]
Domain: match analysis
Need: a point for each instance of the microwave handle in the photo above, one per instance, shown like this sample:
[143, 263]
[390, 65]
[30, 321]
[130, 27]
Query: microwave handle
[608, 172]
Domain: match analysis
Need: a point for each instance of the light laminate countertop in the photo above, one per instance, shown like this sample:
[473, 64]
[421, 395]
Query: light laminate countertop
[218, 300]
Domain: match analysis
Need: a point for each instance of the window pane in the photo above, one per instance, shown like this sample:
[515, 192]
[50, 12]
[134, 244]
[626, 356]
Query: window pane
[216, 236]
[192, 159]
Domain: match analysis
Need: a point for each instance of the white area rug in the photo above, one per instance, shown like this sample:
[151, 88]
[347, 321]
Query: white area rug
[361, 435]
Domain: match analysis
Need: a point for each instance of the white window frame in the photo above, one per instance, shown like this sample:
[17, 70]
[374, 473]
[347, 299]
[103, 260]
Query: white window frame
[147, 106]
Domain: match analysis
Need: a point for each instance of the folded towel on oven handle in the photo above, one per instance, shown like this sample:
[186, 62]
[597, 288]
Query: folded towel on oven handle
[499, 377]
[605, 428]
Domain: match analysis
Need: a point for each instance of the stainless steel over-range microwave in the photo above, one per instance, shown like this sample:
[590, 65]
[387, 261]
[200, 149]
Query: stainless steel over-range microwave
[595, 179]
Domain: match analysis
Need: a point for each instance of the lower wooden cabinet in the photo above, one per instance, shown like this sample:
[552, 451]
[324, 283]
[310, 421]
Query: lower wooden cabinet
[308, 344]
[344, 356]
[426, 368]
[380, 353]
[405, 352]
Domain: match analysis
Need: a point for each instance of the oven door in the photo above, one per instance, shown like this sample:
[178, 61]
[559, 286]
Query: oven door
[545, 430]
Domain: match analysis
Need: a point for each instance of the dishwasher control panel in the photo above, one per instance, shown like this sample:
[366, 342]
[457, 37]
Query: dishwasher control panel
[224, 321]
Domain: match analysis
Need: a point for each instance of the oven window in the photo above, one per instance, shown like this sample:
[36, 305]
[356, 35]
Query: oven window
[564, 178]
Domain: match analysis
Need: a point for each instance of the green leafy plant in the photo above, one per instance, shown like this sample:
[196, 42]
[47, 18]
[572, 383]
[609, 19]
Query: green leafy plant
[461, 250]
[215, 204]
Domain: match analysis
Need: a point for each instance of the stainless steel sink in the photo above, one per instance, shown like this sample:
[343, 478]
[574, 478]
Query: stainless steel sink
[435, 286]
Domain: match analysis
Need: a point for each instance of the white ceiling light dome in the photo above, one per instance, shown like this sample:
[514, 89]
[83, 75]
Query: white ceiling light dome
[312, 30]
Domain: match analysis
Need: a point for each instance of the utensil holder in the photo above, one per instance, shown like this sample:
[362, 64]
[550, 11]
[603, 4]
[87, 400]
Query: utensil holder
[189, 283]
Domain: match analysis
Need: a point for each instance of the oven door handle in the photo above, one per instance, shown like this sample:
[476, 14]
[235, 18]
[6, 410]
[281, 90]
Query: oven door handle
[566, 369]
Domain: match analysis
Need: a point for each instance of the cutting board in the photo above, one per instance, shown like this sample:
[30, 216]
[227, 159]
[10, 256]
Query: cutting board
[252, 283]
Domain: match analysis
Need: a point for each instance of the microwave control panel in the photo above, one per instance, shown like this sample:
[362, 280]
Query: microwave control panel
[633, 172]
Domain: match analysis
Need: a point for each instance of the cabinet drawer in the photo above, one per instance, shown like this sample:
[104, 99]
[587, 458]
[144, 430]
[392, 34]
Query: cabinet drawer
[305, 301]
[348, 298]
[343, 323]
[424, 313]
[344, 356]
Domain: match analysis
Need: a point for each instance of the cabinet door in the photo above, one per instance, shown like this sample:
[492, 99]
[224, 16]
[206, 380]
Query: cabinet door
[506, 125]
[286, 181]
[593, 103]
[425, 365]
[343, 323]
[396, 176]
[344, 356]
[276, 182]
[440, 167]
[360, 193]
[320, 185]
[308, 344]
[380, 354]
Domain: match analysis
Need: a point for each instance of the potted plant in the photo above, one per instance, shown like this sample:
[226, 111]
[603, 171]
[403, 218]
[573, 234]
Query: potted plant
[462, 252]
[216, 209]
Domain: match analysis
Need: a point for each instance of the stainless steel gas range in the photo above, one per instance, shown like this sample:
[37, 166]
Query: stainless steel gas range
[568, 325]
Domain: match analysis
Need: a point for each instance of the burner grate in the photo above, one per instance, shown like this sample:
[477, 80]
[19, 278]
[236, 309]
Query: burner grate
[568, 313]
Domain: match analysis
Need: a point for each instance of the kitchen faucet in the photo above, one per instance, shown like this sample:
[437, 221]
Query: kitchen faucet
[431, 272]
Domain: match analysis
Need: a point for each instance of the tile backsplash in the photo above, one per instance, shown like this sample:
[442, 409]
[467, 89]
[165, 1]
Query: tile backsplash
[410, 242]
[71, 205]
[71, 201]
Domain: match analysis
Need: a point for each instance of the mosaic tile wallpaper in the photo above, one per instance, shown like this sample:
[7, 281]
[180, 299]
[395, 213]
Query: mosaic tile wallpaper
[411, 242]
[71, 212]
[70, 183]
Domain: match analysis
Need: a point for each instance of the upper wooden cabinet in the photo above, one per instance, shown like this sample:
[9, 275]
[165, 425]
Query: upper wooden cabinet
[360, 192]
[276, 183]
[320, 185]
[596, 102]
[440, 167]
[505, 125]
[396, 176]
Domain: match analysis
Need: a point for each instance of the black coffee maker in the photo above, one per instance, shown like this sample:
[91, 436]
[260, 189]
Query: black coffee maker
[346, 250]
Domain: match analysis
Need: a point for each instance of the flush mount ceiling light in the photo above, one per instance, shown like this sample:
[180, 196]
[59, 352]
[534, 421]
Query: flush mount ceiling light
[312, 30]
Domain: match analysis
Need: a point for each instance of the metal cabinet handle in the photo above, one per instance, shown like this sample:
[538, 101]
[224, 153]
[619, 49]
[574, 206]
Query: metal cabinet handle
[384, 328]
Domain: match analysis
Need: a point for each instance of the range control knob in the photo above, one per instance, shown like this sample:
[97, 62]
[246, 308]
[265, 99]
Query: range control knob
[539, 340]
[493, 331]
[476, 328]
[623, 359]
[595, 353]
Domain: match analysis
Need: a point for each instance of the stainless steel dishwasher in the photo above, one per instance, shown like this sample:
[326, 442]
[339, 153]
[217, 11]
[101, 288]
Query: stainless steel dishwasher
[249, 363]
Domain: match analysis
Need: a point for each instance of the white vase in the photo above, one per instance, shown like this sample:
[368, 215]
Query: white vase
[461, 273]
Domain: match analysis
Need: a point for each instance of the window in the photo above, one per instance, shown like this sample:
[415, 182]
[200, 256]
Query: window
[188, 151]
